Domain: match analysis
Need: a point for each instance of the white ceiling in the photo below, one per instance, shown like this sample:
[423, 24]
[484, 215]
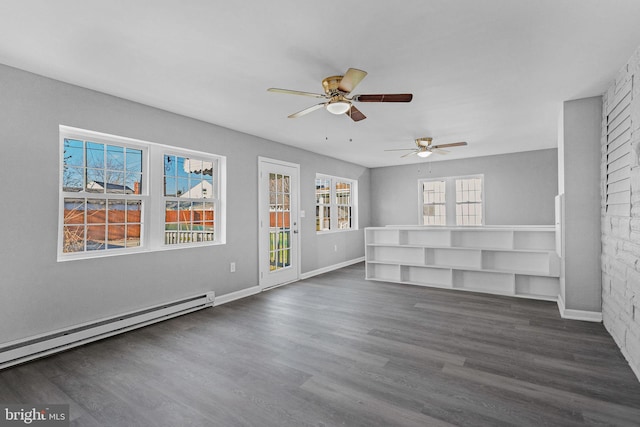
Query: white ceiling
[492, 72]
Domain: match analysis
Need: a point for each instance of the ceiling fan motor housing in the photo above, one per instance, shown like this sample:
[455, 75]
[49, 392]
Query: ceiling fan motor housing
[330, 85]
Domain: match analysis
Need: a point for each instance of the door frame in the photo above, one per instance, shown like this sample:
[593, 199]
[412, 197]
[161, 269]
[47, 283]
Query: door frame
[263, 249]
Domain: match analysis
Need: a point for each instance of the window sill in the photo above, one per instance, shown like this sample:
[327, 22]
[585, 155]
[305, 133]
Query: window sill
[115, 252]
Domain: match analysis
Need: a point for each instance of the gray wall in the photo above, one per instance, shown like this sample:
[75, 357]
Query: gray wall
[580, 276]
[39, 294]
[519, 188]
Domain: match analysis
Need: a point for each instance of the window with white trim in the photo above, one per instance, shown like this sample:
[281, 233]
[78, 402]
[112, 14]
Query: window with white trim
[189, 199]
[469, 201]
[107, 207]
[434, 210]
[451, 201]
[336, 203]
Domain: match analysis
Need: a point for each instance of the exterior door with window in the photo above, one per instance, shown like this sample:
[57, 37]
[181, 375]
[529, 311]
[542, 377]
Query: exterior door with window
[278, 222]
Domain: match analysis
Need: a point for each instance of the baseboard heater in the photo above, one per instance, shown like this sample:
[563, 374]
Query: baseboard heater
[16, 352]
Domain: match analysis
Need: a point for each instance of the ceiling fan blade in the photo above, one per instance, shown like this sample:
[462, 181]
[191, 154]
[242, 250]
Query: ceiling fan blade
[414, 152]
[307, 110]
[453, 144]
[296, 92]
[351, 79]
[388, 97]
[355, 114]
[439, 150]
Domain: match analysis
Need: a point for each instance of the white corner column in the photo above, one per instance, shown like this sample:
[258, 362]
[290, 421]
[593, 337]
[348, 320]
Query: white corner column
[579, 136]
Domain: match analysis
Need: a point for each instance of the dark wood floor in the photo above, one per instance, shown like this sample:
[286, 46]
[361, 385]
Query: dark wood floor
[336, 350]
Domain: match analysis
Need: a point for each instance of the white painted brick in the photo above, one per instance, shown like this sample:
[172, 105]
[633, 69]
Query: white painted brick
[632, 344]
[628, 259]
[632, 247]
[621, 235]
[634, 236]
[633, 276]
[618, 331]
[617, 270]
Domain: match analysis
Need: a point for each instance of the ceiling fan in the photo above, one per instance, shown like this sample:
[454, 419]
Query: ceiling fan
[425, 149]
[336, 93]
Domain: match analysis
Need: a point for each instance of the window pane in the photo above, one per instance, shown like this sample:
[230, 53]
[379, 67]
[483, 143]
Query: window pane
[96, 211]
[344, 217]
[73, 239]
[115, 183]
[323, 191]
[115, 158]
[134, 210]
[183, 186]
[95, 155]
[96, 237]
[193, 167]
[73, 179]
[74, 211]
[198, 215]
[95, 181]
[73, 153]
[343, 191]
[116, 236]
[207, 170]
[185, 213]
[181, 168]
[134, 160]
[133, 182]
[170, 187]
[133, 235]
[117, 211]
[170, 165]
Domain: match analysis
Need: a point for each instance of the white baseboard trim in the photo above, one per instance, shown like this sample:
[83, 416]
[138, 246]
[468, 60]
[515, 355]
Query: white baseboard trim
[586, 316]
[243, 293]
[330, 268]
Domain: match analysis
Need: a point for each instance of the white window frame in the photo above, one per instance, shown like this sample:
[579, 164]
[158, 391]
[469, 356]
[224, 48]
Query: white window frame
[450, 200]
[152, 194]
[333, 205]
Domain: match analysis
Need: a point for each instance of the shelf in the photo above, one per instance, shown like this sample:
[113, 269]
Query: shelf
[430, 275]
[382, 236]
[479, 238]
[516, 261]
[542, 240]
[433, 238]
[536, 286]
[387, 272]
[482, 281]
[397, 254]
[455, 258]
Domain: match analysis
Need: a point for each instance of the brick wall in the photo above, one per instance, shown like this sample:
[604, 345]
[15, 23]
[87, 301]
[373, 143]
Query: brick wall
[621, 233]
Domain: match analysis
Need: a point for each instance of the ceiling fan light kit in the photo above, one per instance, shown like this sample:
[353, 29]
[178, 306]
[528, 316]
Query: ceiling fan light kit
[424, 153]
[338, 107]
[336, 92]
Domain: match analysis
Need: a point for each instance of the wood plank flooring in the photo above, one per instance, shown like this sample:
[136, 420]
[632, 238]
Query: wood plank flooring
[336, 350]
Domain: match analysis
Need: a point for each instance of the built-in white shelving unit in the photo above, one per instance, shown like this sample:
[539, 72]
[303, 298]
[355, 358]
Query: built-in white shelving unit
[517, 261]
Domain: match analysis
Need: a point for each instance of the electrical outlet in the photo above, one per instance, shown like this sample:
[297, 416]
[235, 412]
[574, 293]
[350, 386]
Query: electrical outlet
[232, 267]
[335, 248]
